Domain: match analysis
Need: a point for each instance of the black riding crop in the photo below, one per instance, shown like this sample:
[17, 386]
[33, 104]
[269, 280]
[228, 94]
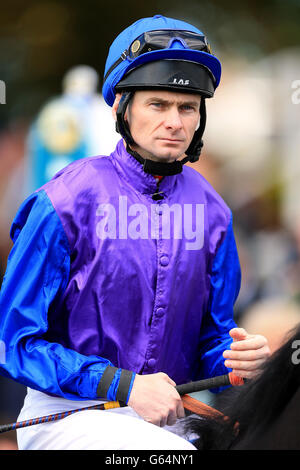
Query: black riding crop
[191, 387]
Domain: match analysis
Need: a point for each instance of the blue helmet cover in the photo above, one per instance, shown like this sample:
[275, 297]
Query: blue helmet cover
[176, 51]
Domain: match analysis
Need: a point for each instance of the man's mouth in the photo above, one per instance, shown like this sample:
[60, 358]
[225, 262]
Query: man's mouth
[170, 139]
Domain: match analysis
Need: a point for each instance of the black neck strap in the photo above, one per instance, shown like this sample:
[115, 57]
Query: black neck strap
[158, 168]
[195, 147]
[121, 124]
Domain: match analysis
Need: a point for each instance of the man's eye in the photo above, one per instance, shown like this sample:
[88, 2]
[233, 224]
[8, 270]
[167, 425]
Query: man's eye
[187, 107]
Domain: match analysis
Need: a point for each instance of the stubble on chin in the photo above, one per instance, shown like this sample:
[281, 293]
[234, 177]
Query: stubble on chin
[159, 155]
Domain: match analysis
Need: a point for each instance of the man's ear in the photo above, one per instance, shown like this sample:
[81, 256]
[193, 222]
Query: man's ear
[115, 105]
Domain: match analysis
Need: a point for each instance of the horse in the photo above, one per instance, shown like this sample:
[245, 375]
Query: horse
[263, 414]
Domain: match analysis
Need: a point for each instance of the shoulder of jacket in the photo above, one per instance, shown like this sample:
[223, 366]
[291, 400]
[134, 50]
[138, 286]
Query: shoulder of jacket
[209, 193]
[83, 164]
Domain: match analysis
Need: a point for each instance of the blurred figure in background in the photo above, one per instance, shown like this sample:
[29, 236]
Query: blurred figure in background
[75, 125]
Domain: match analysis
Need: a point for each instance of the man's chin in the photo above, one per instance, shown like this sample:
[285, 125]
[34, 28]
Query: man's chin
[164, 155]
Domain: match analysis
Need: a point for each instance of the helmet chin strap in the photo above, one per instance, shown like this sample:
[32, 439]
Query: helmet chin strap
[153, 167]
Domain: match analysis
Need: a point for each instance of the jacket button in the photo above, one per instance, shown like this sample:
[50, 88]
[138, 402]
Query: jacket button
[164, 260]
[151, 362]
[160, 311]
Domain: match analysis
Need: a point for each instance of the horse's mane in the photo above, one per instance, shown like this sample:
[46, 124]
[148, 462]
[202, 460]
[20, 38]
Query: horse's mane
[250, 410]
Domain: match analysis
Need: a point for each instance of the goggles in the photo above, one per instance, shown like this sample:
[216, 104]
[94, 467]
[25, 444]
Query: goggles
[153, 40]
[161, 39]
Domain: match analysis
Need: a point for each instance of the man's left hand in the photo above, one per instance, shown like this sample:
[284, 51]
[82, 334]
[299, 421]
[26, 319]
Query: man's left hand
[247, 353]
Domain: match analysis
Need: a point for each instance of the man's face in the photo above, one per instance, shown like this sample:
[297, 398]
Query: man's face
[162, 123]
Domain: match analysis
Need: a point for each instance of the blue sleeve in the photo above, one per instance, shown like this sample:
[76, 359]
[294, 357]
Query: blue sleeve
[37, 272]
[218, 320]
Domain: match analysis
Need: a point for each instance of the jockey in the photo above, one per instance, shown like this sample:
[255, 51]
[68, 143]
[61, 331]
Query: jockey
[124, 271]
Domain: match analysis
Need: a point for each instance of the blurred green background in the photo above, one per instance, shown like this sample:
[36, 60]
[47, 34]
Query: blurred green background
[252, 140]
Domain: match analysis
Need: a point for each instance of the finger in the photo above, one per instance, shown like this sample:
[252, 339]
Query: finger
[163, 422]
[238, 334]
[180, 410]
[168, 379]
[172, 382]
[172, 418]
[246, 374]
[152, 420]
[168, 417]
[252, 342]
[176, 413]
[247, 355]
[149, 419]
[244, 365]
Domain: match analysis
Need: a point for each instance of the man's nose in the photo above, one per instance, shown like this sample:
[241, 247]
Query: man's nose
[173, 119]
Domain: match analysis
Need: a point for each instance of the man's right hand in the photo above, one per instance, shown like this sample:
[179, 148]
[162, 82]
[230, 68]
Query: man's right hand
[155, 399]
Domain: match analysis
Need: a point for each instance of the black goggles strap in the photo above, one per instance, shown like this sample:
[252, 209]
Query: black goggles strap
[115, 64]
[121, 124]
[195, 147]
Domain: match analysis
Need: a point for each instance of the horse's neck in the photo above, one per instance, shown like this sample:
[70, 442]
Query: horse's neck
[282, 434]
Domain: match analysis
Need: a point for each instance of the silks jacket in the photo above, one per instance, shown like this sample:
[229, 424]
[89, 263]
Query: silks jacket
[105, 278]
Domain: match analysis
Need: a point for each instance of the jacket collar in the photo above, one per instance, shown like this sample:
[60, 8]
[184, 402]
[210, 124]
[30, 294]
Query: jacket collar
[130, 169]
